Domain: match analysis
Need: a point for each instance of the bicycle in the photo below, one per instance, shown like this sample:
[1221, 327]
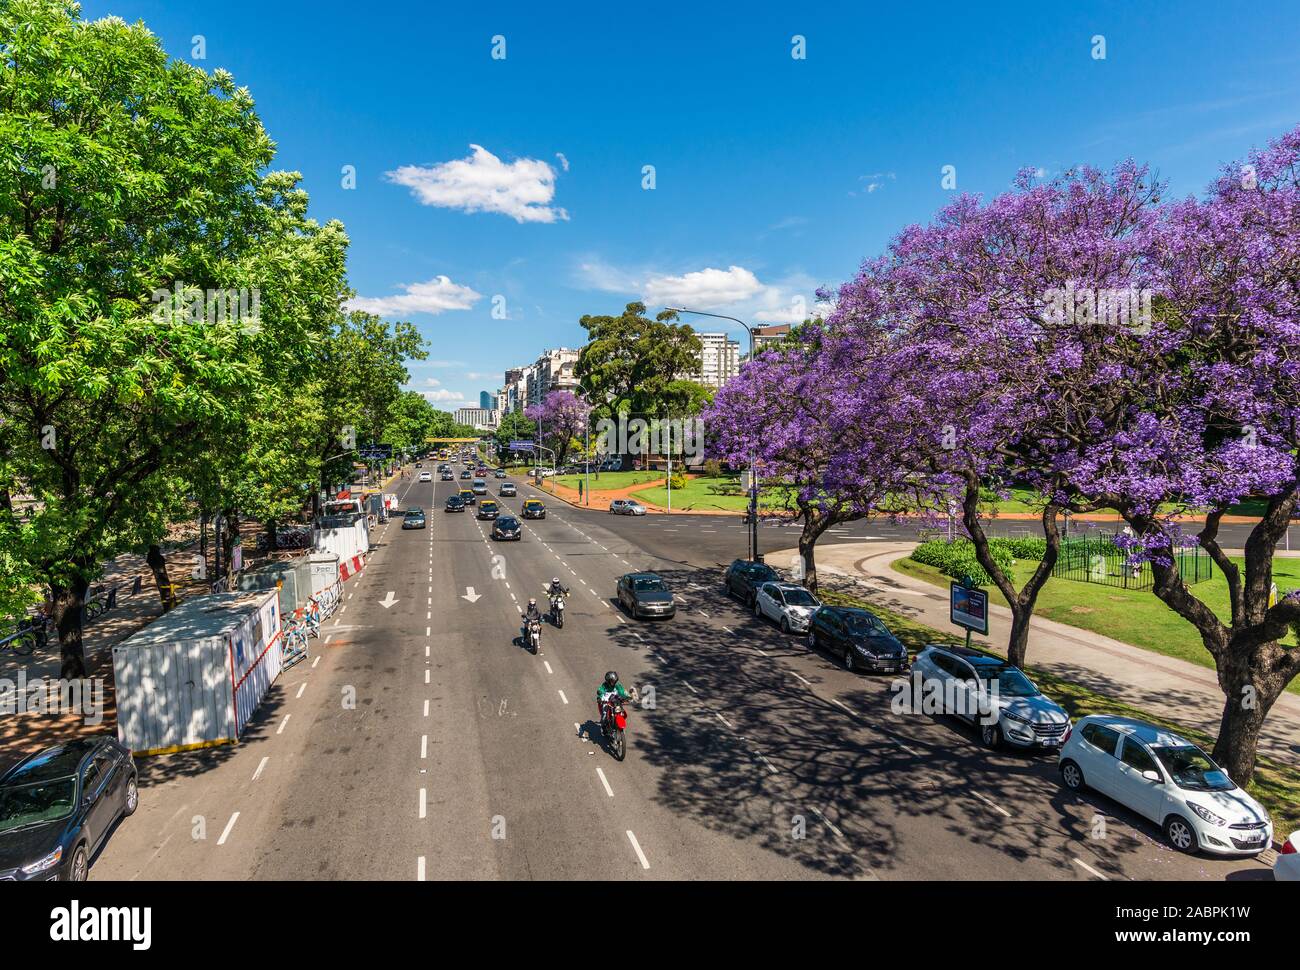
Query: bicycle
[27, 635]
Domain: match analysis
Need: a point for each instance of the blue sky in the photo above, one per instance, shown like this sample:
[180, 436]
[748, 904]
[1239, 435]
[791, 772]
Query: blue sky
[773, 175]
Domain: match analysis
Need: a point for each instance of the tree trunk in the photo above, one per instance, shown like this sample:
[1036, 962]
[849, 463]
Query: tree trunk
[271, 541]
[814, 524]
[158, 564]
[68, 602]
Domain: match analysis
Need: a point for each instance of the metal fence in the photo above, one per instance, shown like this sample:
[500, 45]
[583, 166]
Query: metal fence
[1096, 559]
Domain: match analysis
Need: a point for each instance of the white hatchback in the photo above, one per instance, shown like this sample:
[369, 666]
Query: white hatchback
[425, 477]
[1168, 780]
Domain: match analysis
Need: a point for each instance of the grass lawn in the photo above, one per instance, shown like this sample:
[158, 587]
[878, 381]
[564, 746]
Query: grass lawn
[702, 493]
[1132, 616]
[609, 481]
[1277, 787]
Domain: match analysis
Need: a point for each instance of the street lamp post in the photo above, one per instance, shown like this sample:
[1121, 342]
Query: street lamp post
[753, 474]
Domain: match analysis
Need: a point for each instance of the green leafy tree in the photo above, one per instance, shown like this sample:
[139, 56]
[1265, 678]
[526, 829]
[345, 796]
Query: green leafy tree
[630, 361]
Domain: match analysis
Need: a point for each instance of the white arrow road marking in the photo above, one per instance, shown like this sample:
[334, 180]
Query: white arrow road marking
[388, 600]
[470, 594]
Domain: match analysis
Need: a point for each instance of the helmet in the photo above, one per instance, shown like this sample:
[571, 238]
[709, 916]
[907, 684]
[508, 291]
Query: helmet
[555, 580]
[532, 601]
[611, 679]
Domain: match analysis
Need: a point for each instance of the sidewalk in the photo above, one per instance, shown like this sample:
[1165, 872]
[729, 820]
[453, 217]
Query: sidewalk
[1165, 686]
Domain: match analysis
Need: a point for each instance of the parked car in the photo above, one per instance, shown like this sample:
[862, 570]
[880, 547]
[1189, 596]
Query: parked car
[426, 477]
[625, 506]
[645, 594]
[507, 489]
[479, 487]
[534, 509]
[789, 604]
[468, 496]
[454, 504]
[743, 578]
[1287, 866]
[1169, 781]
[994, 695]
[413, 519]
[488, 509]
[58, 806]
[857, 637]
[507, 527]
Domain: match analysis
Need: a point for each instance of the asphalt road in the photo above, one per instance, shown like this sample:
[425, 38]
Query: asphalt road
[423, 741]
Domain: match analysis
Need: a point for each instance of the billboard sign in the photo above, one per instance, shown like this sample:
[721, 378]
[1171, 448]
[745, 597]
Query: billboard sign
[969, 608]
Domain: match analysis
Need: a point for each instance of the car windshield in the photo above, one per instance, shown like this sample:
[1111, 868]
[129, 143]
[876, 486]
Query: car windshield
[643, 583]
[507, 523]
[864, 624]
[799, 597]
[1010, 681]
[1192, 769]
[42, 802]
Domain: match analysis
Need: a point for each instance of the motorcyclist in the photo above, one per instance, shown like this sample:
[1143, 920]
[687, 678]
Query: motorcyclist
[610, 684]
[531, 615]
[557, 588]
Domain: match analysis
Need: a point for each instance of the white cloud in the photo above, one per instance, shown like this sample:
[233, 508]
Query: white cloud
[433, 382]
[564, 162]
[444, 395]
[434, 296]
[476, 375]
[706, 288]
[522, 189]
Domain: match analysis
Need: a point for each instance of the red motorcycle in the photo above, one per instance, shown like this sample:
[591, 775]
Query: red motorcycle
[613, 722]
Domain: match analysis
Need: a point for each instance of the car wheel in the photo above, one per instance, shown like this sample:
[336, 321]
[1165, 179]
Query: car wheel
[847, 659]
[757, 612]
[1071, 775]
[785, 626]
[812, 639]
[991, 735]
[132, 796]
[79, 868]
[1180, 834]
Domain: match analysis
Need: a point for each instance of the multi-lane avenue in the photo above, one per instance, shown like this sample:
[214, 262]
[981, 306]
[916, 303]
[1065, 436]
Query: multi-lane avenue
[421, 740]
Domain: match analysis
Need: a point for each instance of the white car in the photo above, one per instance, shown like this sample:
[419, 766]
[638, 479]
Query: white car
[1168, 780]
[789, 604]
[426, 477]
[1287, 867]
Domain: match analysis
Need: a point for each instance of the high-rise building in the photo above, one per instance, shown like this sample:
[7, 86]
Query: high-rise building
[485, 401]
[483, 419]
[719, 359]
[553, 371]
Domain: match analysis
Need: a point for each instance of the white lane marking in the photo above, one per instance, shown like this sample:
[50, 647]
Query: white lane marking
[300, 690]
[703, 614]
[689, 687]
[426, 707]
[722, 719]
[329, 638]
[424, 746]
[260, 765]
[636, 846]
[283, 723]
[992, 805]
[770, 766]
[426, 650]
[428, 631]
[315, 662]
[608, 791]
[424, 803]
[831, 825]
[225, 833]
[426, 676]
[797, 677]
[547, 665]
[563, 698]
[846, 707]
[1085, 865]
[914, 754]
[729, 629]
[419, 869]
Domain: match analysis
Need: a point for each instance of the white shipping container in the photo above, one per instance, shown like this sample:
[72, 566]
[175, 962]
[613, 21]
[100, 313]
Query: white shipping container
[195, 676]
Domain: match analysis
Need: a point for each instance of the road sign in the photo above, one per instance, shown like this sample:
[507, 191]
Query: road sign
[523, 446]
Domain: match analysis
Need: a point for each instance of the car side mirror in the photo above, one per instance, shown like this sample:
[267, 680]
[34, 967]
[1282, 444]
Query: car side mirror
[1152, 776]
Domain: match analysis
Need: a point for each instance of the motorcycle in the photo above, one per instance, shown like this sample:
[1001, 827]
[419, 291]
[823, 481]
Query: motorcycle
[613, 722]
[535, 636]
[557, 611]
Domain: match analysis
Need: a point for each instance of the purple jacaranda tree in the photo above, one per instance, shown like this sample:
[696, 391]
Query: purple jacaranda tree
[992, 340]
[561, 417]
[794, 413]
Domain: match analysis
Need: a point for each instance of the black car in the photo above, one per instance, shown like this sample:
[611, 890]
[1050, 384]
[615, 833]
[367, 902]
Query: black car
[448, 477]
[413, 519]
[464, 473]
[507, 527]
[58, 806]
[645, 594]
[857, 638]
[488, 509]
[743, 578]
[499, 473]
[454, 504]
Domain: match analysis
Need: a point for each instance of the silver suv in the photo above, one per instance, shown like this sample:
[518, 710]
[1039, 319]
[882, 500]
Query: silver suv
[990, 693]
